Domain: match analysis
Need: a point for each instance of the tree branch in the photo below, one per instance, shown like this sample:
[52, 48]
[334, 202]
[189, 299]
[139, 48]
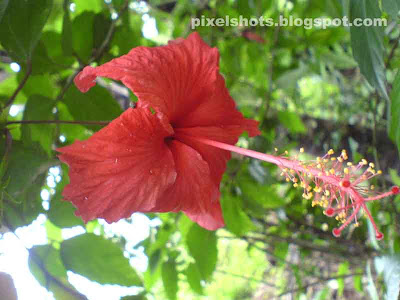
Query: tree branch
[20, 86]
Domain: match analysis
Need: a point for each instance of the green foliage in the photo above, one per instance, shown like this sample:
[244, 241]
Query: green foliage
[46, 266]
[202, 246]
[395, 112]
[314, 88]
[91, 255]
[38, 108]
[22, 24]
[170, 278]
[95, 105]
[367, 43]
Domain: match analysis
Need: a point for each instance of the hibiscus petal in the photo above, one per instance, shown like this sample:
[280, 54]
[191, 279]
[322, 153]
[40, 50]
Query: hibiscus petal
[194, 191]
[123, 168]
[172, 79]
[217, 120]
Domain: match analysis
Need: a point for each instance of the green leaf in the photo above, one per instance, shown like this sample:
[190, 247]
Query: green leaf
[390, 267]
[38, 108]
[236, 220]
[101, 24]
[141, 296]
[342, 270]
[46, 266]
[392, 7]
[394, 131]
[367, 43]
[88, 5]
[62, 213]
[24, 166]
[95, 105]
[202, 246]
[3, 6]
[169, 277]
[66, 34]
[292, 121]
[193, 277]
[82, 29]
[289, 79]
[263, 195]
[98, 259]
[21, 26]
[24, 208]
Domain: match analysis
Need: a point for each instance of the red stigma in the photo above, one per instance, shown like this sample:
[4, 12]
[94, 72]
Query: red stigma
[395, 190]
[379, 236]
[329, 212]
[336, 232]
[345, 183]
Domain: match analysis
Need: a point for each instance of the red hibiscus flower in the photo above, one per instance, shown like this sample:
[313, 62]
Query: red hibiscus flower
[155, 162]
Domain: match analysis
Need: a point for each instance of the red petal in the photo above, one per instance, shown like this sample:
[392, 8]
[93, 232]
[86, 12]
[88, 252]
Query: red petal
[171, 79]
[181, 80]
[194, 191]
[123, 168]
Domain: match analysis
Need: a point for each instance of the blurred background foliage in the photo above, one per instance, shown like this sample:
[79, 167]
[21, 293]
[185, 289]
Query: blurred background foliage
[313, 88]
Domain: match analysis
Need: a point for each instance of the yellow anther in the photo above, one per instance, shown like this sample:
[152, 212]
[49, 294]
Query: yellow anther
[332, 171]
[327, 193]
[286, 152]
[340, 159]
[364, 162]
[372, 165]
[276, 149]
[295, 185]
[333, 158]
[301, 150]
[287, 179]
[331, 152]
[326, 160]
[309, 188]
[356, 224]
[346, 171]
[319, 166]
[379, 172]
[317, 190]
[318, 159]
[349, 164]
[372, 187]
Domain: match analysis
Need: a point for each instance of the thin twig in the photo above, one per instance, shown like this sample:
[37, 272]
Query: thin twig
[20, 86]
[318, 282]
[97, 55]
[37, 259]
[110, 34]
[58, 122]
[246, 278]
[391, 54]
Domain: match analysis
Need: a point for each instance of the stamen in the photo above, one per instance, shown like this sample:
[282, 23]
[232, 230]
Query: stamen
[337, 183]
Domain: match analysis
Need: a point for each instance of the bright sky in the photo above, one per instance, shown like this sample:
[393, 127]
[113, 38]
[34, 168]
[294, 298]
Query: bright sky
[13, 253]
